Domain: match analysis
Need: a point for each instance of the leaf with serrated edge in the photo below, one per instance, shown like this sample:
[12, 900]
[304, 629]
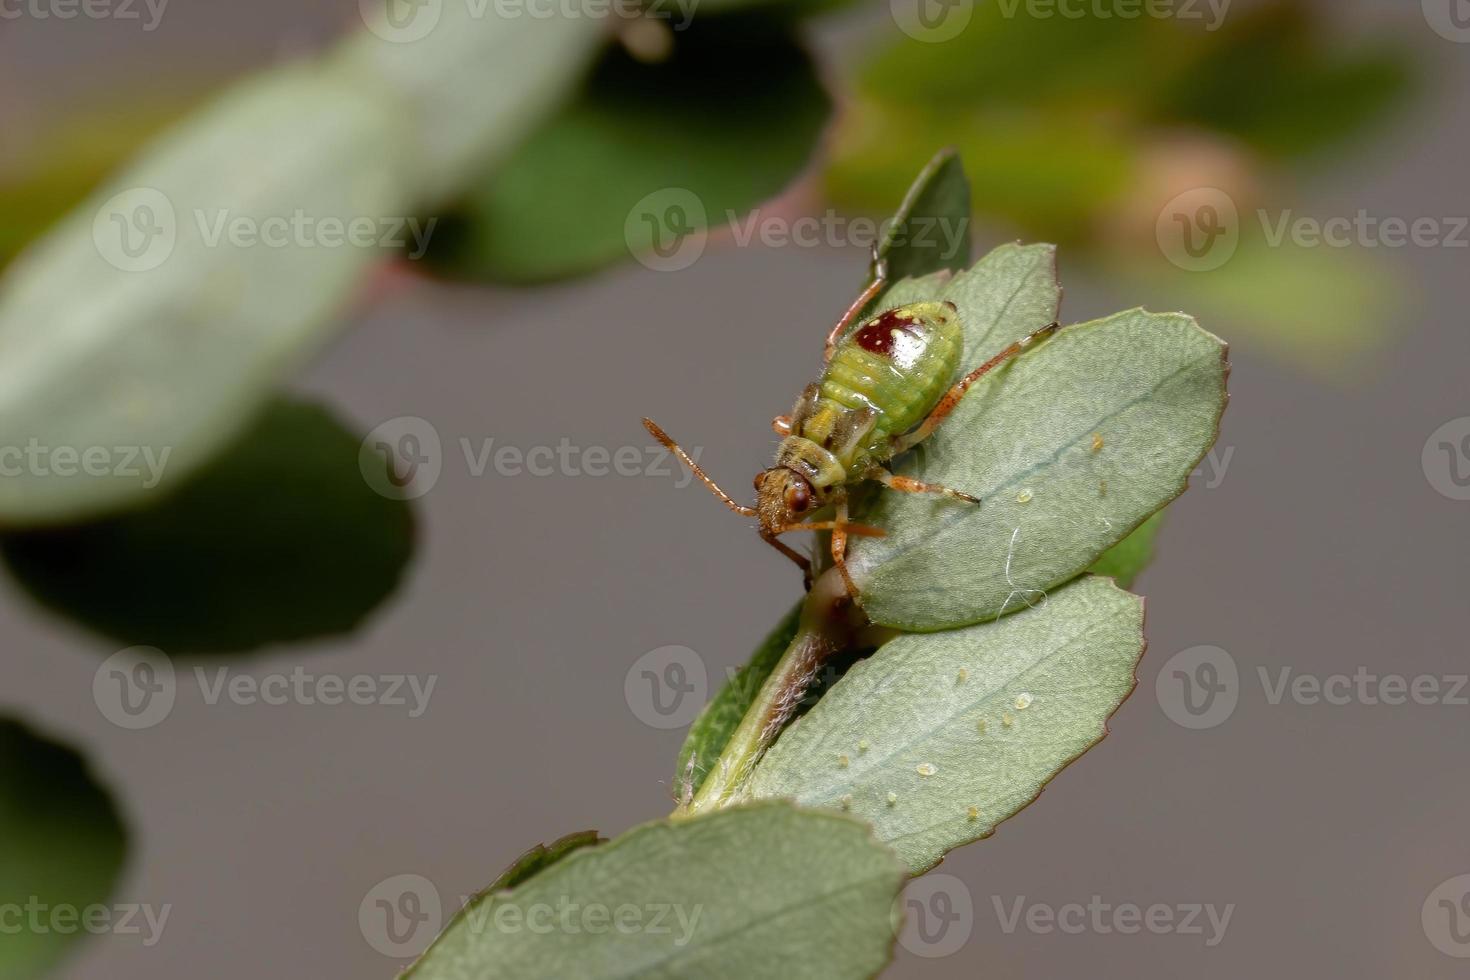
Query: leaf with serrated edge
[758, 890]
[1070, 447]
[990, 712]
[541, 857]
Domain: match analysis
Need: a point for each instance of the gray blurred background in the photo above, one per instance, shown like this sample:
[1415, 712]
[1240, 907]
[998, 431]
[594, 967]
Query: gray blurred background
[1322, 546]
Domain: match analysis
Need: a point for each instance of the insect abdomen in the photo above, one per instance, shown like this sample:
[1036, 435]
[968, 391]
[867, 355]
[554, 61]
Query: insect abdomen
[898, 363]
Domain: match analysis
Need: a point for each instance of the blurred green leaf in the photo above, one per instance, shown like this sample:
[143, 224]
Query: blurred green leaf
[1107, 63]
[1275, 78]
[784, 9]
[102, 348]
[1070, 447]
[722, 125]
[1125, 560]
[711, 731]
[279, 540]
[1324, 309]
[64, 163]
[1046, 172]
[62, 845]
[145, 320]
[742, 893]
[934, 724]
[788, 9]
[1061, 119]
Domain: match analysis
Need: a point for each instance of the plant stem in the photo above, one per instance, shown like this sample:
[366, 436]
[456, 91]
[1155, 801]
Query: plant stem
[828, 622]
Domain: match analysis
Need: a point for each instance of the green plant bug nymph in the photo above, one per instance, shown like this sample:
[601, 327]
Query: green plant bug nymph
[886, 387]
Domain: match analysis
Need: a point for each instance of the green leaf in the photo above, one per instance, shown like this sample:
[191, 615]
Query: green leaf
[931, 230]
[541, 857]
[1004, 297]
[757, 890]
[1070, 447]
[934, 724]
[1129, 557]
[711, 731]
[145, 320]
[279, 540]
[62, 844]
[720, 126]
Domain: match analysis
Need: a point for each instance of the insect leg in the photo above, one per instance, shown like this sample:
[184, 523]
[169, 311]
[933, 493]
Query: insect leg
[880, 280]
[801, 560]
[839, 548]
[952, 397]
[907, 484]
[714, 487]
[782, 425]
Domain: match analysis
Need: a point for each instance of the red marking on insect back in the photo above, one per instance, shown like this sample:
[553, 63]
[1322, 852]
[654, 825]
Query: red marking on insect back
[878, 335]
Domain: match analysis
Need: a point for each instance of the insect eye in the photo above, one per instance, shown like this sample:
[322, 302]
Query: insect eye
[797, 498]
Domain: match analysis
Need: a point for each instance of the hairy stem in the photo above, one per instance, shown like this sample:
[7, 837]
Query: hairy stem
[829, 620]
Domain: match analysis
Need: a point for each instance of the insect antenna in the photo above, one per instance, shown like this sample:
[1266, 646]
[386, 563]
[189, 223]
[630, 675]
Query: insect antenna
[714, 487]
[857, 530]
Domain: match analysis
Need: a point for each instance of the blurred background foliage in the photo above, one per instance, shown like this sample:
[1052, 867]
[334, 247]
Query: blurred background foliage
[1072, 130]
[62, 843]
[1081, 130]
